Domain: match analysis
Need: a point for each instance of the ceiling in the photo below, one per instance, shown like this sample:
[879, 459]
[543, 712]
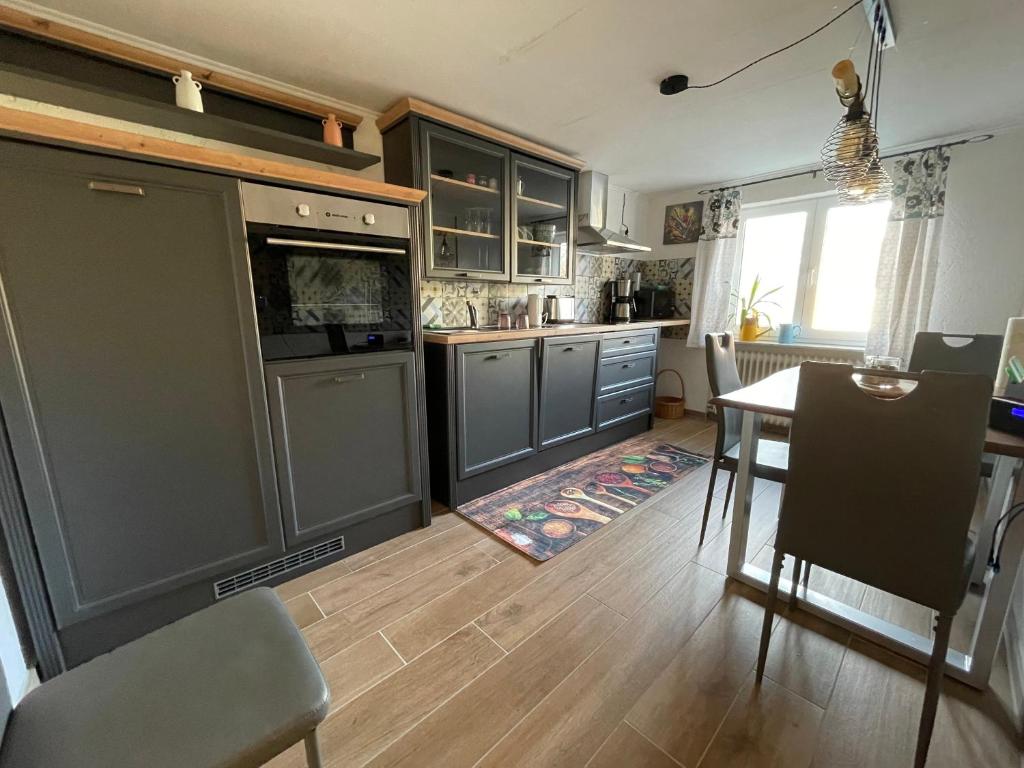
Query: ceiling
[582, 75]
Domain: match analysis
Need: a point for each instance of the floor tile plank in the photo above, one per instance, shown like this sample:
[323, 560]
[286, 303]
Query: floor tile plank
[304, 610]
[358, 667]
[438, 525]
[526, 611]
[365, 726]
[572, 723]
[767, 727]
[686, 704]
[371, 579]
[626, 747]
[805, 655]
[462, 730]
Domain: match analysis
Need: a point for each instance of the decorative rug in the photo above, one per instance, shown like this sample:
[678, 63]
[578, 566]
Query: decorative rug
[548, 513]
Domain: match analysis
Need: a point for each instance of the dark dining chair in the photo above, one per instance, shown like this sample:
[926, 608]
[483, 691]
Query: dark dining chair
[772, 455]
[882, 491]
[981, 354]
[933, 352]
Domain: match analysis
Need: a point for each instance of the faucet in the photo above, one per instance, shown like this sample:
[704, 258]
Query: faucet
[473, 321]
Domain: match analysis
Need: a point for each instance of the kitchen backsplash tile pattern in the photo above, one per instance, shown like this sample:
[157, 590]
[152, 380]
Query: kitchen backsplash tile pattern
[443, 302]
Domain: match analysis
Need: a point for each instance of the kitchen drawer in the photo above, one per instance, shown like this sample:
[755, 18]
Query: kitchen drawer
[628, 342]
[625, 372]
[622, 406]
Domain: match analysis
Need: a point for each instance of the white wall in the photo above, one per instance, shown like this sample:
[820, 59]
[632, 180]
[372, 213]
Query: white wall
[981, 273]
[15, 672]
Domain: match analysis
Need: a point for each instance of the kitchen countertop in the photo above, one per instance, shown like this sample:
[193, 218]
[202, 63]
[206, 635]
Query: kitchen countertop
[570, 329]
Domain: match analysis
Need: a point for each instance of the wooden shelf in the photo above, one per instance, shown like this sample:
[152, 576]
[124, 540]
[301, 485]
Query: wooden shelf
[531, 201]
[463, 184]
[466, 232]
[12, 18]
[521, 241]
[56, 130]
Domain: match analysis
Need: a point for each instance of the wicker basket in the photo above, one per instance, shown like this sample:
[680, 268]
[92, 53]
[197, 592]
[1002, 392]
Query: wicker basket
[670, 406]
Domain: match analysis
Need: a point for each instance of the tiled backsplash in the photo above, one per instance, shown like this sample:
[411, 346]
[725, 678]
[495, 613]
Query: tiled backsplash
[443, 302]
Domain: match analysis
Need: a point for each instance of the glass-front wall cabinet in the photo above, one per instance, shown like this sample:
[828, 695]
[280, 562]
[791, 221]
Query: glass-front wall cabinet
[543, 220]
[467, 206]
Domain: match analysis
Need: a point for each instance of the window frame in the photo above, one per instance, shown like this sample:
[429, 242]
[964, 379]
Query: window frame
[816, 206]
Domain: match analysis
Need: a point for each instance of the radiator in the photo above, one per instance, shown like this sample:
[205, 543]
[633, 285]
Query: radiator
[757, 361]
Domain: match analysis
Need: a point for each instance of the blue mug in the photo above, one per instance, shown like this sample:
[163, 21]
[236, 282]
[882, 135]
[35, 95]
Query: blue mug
[788, 333]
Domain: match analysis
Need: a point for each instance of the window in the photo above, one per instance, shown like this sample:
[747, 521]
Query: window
[822, 257]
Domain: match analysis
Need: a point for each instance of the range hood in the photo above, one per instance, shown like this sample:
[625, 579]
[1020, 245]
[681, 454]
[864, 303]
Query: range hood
[592, 233]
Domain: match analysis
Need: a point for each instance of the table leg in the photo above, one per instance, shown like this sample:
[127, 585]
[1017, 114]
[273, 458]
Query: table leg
[749, 433]
[1002, 474]
[995, 605]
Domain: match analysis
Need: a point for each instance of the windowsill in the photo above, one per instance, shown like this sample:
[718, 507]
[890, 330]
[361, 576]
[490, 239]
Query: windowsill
[812, 345]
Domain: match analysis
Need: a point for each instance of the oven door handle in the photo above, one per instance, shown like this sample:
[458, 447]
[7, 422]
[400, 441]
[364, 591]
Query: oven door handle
[332, 246]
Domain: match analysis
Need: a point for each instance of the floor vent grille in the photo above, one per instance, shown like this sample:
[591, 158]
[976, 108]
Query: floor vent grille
[261, 573]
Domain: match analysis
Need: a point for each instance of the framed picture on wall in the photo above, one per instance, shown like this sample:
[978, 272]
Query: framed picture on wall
[682, 222]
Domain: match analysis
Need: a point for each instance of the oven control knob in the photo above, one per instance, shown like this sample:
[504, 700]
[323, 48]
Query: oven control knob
[302, 209]
[369, 218]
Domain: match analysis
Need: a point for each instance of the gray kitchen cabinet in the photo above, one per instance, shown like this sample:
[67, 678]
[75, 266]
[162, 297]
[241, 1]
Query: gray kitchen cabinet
[568, 375]
[345, 439]
[130, 377]
[496, 404]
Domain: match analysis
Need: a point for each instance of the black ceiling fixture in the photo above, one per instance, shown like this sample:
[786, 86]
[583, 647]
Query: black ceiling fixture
[678, 83]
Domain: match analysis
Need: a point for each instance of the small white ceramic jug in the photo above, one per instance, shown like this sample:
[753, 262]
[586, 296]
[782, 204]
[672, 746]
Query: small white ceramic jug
[186, 91]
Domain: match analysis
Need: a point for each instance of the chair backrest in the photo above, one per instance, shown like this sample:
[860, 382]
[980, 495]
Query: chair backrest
[933, 352]
[883, 491]
[723, 378]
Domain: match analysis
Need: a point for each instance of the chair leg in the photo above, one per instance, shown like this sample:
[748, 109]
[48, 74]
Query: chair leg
[798, 566]
[313, 759]
[936, 669]
[769, 614]
[707, 504]
[728, 494]
[807, 574]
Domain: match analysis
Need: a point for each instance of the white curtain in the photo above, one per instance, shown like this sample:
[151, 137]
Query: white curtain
[716, 267]
[909, 260]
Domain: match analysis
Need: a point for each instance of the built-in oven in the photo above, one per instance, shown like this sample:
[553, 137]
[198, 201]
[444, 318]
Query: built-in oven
[330, 275]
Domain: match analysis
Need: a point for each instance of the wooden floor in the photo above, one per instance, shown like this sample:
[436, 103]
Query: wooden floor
[446, 648]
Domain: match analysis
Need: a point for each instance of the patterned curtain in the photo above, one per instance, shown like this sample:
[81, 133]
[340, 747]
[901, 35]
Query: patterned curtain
[909, 261]
[716, 266]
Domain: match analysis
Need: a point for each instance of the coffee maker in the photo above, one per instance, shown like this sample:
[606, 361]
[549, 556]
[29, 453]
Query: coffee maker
[623, 308]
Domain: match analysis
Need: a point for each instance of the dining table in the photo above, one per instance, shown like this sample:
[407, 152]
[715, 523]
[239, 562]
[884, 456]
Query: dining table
[775, 395]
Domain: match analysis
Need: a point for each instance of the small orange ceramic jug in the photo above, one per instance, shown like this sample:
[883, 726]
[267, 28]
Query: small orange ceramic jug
[332, 130]
[749, 327]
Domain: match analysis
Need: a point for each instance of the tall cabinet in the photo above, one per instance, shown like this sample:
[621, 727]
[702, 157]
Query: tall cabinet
[130, 384]
[499, 208]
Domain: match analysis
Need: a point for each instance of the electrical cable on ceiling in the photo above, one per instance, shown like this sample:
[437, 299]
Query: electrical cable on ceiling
[827, 24]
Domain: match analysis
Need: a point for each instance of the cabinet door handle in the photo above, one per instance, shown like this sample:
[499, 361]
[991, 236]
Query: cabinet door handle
[462, 274]
[625, 400]
[500, 356]
[123, 189]
[538, 279]
[350, 378]
[629, 365]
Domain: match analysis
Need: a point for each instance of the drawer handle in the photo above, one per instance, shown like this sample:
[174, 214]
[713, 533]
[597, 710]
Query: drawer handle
[349, 379]
[625, 400]
[629, 365]
[501, 356]
[627, 341]
[462, 274]
[568, 349]
[123, 189]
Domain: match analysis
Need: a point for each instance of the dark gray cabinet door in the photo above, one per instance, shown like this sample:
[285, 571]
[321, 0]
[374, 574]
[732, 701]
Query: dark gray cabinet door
[345, 439]
[496, 404]
[568, 376]
[129, 377]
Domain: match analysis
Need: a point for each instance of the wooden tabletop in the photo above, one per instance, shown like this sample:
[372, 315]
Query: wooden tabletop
[776, 396]
[572, 329]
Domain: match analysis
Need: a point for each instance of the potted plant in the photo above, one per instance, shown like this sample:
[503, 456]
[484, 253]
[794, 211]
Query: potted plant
[751, 310]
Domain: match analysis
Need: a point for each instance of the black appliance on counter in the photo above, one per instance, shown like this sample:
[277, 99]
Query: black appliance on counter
[619, 294]
[330, 276]
[655, 303]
